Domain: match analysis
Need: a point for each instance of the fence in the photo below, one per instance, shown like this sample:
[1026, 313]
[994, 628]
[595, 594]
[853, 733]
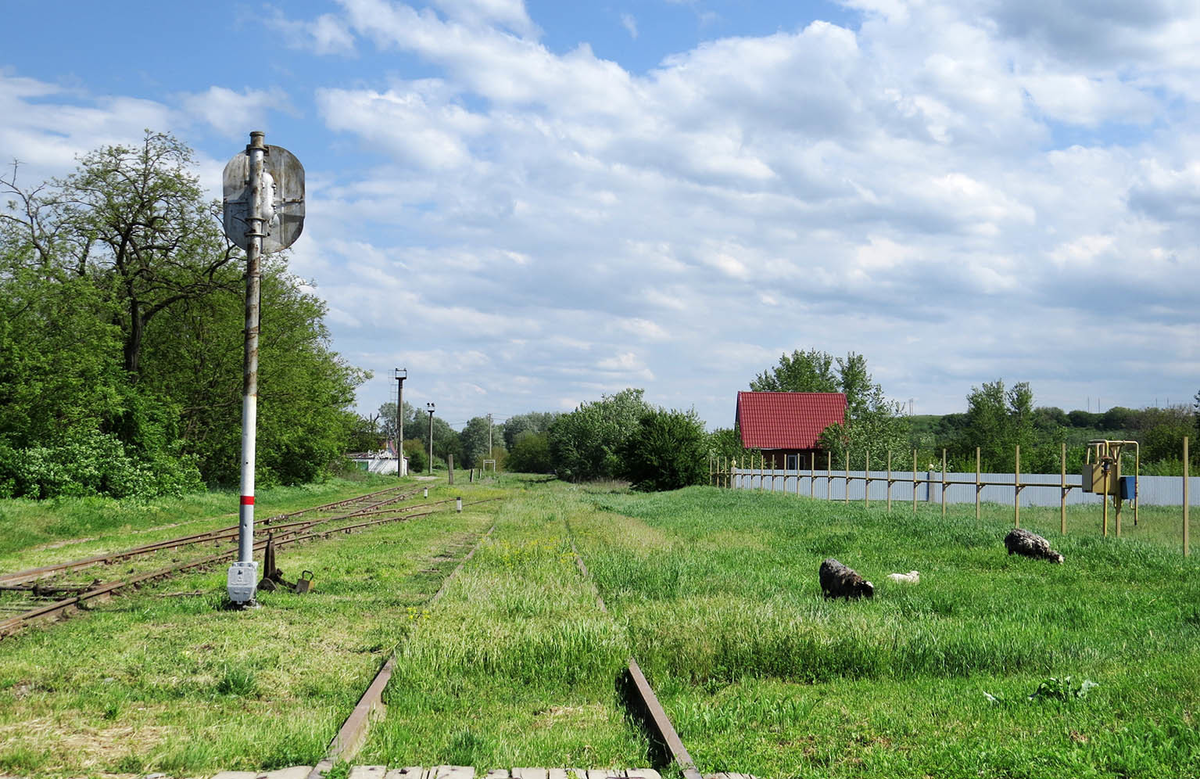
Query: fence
[925, 486]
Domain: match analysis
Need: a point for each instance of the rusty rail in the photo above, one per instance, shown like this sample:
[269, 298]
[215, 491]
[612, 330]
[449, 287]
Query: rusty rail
[33, 574]
[59, 608]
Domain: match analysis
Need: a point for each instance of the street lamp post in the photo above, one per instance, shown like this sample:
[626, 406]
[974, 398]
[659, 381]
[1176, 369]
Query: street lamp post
[430, 407]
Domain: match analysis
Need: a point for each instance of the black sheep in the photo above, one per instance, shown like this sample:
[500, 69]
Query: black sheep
[838, 581]
[1028, 544]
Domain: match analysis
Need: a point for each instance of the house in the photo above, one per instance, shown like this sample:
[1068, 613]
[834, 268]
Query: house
[383, 461]
[786, 426]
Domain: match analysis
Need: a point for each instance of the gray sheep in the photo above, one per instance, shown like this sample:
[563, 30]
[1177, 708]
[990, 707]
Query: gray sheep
[838, 581]
[1028, 544]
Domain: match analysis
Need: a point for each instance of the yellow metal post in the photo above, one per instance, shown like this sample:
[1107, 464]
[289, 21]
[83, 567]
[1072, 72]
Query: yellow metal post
[1117, 493]
[1104, 500]
[1137, 474]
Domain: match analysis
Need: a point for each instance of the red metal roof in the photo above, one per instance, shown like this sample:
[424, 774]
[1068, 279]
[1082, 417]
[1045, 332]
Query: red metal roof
[787, 420]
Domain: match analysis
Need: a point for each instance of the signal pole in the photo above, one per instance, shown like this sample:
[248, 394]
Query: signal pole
[430, 407]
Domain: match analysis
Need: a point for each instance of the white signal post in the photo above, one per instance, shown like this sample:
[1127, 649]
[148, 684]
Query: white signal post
[264, 212]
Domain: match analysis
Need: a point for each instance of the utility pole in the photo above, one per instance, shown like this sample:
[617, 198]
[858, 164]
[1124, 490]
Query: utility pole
[430, 407]
[489, 435]
[400, 374]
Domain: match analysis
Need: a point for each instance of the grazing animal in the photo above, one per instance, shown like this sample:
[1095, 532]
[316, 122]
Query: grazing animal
[1028, 544]
[912, 577]
[838, 581]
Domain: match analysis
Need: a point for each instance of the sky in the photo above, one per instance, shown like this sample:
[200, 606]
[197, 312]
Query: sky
[531, 204]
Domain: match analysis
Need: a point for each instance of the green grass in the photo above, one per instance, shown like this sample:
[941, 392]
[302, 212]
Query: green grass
[35, 533]
[715, 593]
[155, 682]
[516, 666]
[719, 593]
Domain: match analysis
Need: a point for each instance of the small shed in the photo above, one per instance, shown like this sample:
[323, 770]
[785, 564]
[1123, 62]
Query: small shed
[787, 426]
[383, 461]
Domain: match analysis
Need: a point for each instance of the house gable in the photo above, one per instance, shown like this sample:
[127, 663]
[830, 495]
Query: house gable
[790, 421]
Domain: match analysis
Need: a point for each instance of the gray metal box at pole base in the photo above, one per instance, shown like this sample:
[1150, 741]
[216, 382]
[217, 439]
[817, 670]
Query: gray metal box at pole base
[243, 581]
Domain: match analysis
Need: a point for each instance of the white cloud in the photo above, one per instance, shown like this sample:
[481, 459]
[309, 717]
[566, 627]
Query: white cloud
[234, 114]
[939, 187]
[630, 24]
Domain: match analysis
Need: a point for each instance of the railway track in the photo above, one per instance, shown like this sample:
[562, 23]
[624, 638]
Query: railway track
[646, 708]
[35, 594]
[358, 505]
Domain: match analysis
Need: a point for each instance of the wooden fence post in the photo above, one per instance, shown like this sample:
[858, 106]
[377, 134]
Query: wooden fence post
[829, 476]
[889, 489]
[847, 496]
[914, 482]
[867, 481]
[1185, 497]
[812, 476]
[1017, 489]
[1062, 501]
[978, 488]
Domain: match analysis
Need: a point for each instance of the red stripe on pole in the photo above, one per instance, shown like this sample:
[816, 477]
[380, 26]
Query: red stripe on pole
[247, 500]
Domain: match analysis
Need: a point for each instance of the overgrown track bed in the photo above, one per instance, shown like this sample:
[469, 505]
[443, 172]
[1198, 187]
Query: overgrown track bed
[165, 680]
[516, 666]
[350, 507]
[720, 597]
[282, 535]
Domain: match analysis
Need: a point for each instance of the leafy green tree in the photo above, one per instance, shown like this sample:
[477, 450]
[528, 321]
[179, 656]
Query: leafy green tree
[586, 443]
[997, 421]
[530, 453]
[873, 424]
[810, 371]
[534, 422]
[474, 441]
[417, 453]
[667, 450]
[123, 312]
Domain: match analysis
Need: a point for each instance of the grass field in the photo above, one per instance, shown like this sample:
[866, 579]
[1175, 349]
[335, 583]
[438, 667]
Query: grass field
[718, 590]
[715, 593]
[516, 666]
[158, 681]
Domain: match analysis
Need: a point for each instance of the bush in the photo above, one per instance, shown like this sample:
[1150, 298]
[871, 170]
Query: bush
[668, 450]
[586, 442]
[530, 454]
[418, 458]
[88, 463]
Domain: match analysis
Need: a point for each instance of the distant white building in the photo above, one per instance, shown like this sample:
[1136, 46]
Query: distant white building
[383, 461]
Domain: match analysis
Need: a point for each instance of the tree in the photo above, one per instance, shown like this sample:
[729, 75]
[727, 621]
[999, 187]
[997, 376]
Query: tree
[474, 439]
[667, 450]
[122, 321]
[997, 421]
[534, 422]
[810, 371]
[586, 443]
[135, 220]
[874, 425]
[530, 453]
